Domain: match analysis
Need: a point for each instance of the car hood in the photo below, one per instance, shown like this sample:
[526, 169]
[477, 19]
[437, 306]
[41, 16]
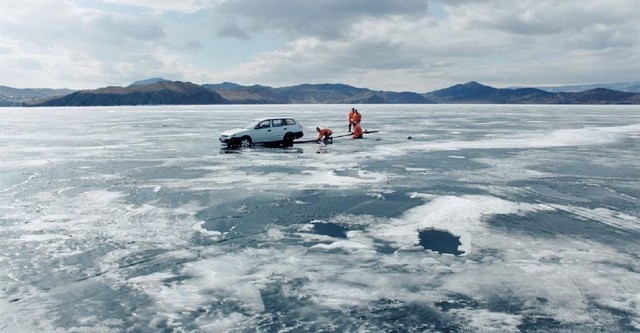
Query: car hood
[234, 131]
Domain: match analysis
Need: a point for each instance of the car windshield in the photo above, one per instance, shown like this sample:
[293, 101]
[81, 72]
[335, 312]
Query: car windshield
[251, 124]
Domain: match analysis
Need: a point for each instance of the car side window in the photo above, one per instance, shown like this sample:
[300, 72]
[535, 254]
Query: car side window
[277, 122]
[290, 121]
[263, 124]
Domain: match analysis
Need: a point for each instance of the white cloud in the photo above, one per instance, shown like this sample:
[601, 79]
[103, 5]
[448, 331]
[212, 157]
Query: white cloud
[409, 45]
[185, 6]
[83, 47]
[526, 42]
[327, 19]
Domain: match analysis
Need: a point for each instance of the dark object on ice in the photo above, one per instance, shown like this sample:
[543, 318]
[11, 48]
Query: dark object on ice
[439, 241]
[332, 137]
[330, 229]
[409, 137]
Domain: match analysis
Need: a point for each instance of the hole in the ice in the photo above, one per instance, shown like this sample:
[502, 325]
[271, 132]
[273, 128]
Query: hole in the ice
[439, 241]
[330, 229]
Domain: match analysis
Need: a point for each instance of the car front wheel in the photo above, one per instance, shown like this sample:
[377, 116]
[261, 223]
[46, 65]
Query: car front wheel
[245, 142]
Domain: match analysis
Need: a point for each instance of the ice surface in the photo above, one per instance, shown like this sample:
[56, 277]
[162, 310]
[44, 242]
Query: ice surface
[135, 219]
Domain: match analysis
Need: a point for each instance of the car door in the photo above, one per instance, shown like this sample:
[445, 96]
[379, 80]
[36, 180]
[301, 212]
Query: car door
[262, 131]
[278, 129]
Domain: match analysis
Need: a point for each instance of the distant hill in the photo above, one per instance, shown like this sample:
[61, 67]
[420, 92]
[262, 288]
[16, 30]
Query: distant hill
[148, 82]
[326, 93]
[15, 96]
[476, 93]
[160, 93]
[598, 96]
[468, 93]
[256, 94]
[619, 86]
[329, 93]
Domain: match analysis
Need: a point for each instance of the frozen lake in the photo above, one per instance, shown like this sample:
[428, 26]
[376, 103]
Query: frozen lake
[134, 219]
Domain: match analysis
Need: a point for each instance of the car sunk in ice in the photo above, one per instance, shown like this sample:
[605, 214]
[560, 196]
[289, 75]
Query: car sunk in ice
[280, 130]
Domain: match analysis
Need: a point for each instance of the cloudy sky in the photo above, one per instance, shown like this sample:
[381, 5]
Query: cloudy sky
[416, 45]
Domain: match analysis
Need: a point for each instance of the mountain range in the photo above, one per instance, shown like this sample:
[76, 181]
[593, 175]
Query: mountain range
[15, 96]
[158, 91]
[620, 86]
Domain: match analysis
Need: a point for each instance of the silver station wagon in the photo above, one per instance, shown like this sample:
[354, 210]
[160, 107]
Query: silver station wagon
[266, 130]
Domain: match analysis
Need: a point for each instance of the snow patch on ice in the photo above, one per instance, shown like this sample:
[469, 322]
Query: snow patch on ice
[585, 136]
[486, 321]
[603, 215]
[211, 233]
[462, 216]
[356, 241]
[229, 323]
[306, 179]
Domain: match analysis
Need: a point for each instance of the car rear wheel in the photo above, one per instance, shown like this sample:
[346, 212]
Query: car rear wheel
[288, 139]
[245, 142]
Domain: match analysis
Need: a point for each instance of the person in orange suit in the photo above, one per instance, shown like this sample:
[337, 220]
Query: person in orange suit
[324, 133]
[357, 131]
[351, 118]
[357, 117]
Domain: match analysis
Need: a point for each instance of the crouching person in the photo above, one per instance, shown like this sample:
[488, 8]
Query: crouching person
[357, 131]
[324, 133]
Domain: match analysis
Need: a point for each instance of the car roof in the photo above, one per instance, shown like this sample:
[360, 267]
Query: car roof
[269, 118]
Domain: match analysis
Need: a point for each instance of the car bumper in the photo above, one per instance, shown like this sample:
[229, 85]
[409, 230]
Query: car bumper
[229, 141]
